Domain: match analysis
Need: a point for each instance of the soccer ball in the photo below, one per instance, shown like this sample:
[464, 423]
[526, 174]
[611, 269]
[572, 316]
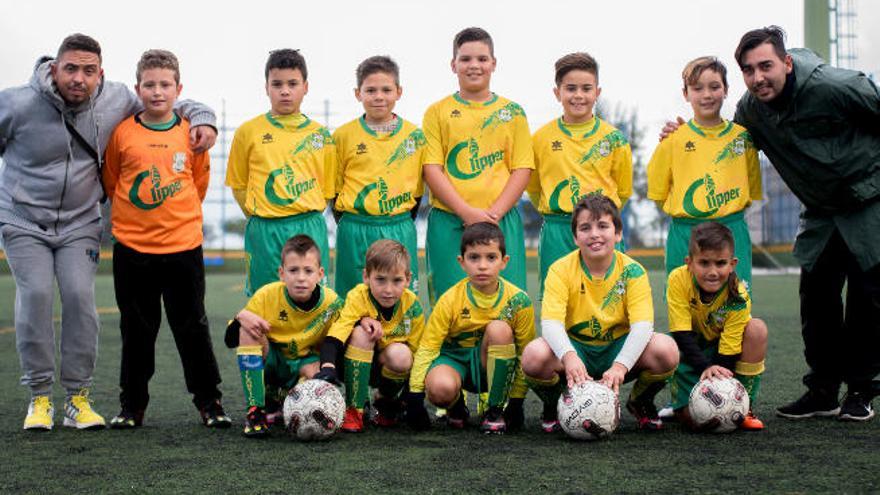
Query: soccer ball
[589, 411]
[722, 398]
[313, 410]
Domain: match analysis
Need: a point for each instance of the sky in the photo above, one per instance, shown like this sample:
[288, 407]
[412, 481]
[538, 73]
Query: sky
[641, 47]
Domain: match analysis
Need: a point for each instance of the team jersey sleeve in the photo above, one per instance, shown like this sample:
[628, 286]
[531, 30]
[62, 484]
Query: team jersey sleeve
[522, 154]
[534, 186]
[523, 333]
[622, 171]
[555, 302]
[352, 312]
[419, 190]
[201, 172]
[331, 315]
[677, 293]
[237, 165]
[730, 342]
[418, 327]
[431, 127]
[660, 171]
[112, 161]
[257, 303]
[331, 167]
[753, 169]
[639, 305]
[432, 339]
[339, 178]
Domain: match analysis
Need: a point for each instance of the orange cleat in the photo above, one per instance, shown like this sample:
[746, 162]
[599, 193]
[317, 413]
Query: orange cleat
[353, 422]
[751, 423]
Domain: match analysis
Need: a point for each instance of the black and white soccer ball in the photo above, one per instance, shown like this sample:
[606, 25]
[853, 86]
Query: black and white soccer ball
[313, 410]
[589, 411]
[722, 398]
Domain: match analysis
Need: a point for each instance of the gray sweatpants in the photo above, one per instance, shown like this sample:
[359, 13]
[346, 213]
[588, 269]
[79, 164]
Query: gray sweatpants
[37, 261]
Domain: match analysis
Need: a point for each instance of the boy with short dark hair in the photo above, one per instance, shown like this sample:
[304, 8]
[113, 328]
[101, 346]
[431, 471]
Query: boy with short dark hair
[575, 155]
[279, 332]
[156, 185]
[379, 184]
[474, 339]
[379, 326]
[477, 164]
[597, 321]
[281, 169]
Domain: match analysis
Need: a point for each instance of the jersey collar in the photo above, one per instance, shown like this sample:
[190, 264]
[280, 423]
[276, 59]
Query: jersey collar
[587, 134]
[366, 127]
[290, 301]
[587, 270]
[470, 294]
[272, 120]
[702, 132]
[379, 306]
[461, 100]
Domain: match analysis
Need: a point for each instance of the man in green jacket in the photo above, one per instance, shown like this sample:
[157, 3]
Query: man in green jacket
[820, 127]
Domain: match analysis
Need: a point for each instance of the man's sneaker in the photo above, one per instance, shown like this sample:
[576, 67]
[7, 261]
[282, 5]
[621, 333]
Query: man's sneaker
[213, 415]
[457, 415]
[550, 419]
[493, 422]
[856, 407]
[646, 414]
[751, 423]
[255, 423]
[387, 412]
[353, 422]
[809, 405]
[40, 414]
[127, 420]
[78, 413]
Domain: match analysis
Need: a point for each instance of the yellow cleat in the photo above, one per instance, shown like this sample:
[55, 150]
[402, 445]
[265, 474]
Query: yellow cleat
[78, 413]
[40, 413]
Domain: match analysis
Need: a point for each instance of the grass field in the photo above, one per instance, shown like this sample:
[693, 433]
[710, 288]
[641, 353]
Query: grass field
[174, 453]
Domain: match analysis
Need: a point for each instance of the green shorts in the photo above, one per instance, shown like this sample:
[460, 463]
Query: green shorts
[680, 234]
[356, 233]
[598, 358]
[281, 371]
[556, 241]
[467, 362]
[686, 377]
[264, 238]
[443, 245]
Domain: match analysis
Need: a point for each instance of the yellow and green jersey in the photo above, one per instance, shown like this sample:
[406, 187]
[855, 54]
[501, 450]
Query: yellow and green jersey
[478, 145]
[459, 321]
[597, 311]
[379, 173]
[705, 172]
[574, 160]
[723, 319]
[405, 326]
[286, 165]
[301, 331]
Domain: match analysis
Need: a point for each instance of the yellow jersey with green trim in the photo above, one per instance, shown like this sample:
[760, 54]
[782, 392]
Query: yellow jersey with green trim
[700, 172]
[724, 319]
[478, 145]
[284, 169]
[597, 311]
[405, 326]
[379, 173]
[572, 161]
[459, 320]
[301, 331]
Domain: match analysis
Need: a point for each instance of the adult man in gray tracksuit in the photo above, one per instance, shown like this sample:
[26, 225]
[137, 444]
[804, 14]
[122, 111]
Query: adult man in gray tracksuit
[53, 132]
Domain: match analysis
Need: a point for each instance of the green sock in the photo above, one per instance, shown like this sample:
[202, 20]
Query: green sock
[749, 374]
[648, 385]
[250, 364]
[500, 367]
[546, 390]
[357, 376]
[391, 383]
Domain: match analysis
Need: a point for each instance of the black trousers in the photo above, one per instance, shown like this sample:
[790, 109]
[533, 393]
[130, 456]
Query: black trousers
[841, 340]
[178, 279]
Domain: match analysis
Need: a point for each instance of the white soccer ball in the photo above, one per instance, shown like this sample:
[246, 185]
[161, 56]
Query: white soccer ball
[722, 398]
[313, 410]
[589, 411]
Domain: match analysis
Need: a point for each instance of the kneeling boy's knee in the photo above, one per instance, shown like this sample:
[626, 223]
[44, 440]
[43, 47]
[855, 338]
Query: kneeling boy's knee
[498, 331]
[756, 330]
[397, 358]
[666, 351]
[534, 357]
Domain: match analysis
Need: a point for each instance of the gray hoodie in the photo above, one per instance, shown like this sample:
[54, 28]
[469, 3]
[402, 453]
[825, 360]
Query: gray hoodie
[49, 183]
